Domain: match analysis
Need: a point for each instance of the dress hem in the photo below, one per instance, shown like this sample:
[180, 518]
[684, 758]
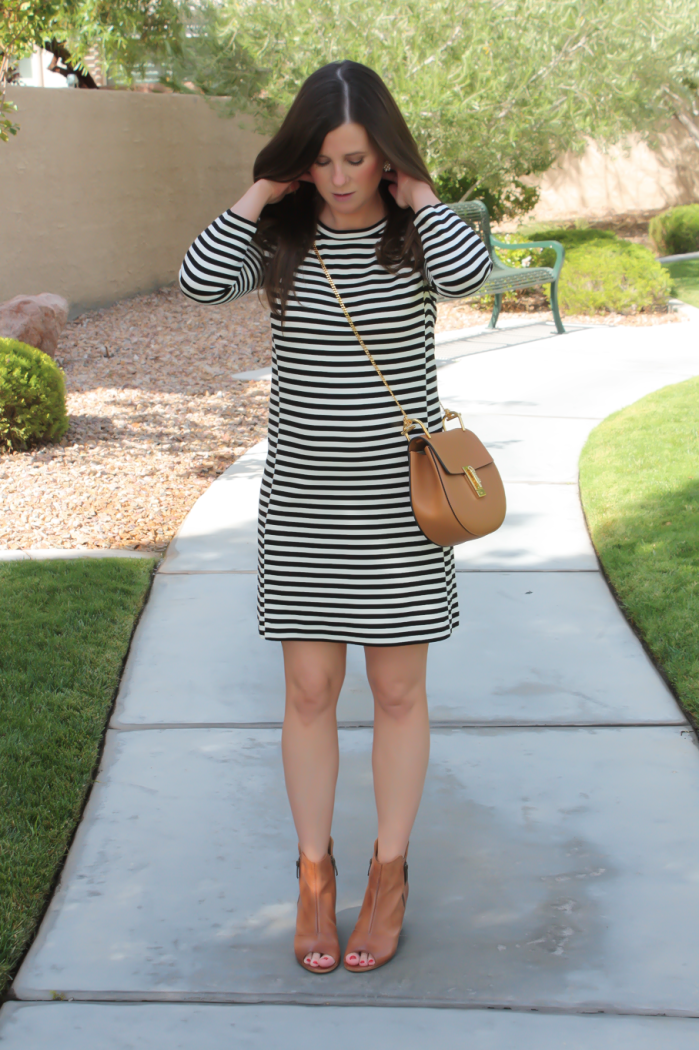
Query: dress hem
[290, 636]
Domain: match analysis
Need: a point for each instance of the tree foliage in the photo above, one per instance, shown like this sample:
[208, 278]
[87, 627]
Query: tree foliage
[493, 90]
[128, 34]
[213, 62]
[21, 21]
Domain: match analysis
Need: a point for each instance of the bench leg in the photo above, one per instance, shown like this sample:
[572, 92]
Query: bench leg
[556, 312]
[496, 311]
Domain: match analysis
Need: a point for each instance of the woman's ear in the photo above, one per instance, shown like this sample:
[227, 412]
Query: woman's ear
[306, 177]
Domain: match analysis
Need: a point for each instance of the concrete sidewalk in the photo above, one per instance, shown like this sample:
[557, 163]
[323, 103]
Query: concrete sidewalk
[555, 860]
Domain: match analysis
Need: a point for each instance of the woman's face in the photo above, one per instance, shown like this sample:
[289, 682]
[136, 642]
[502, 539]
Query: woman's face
[348, 169]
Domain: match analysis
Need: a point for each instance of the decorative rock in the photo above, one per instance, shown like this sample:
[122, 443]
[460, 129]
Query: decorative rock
[34, 319]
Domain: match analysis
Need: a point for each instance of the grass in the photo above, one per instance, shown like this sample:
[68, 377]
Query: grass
[639, 481]
[64, 632]
[685, 280]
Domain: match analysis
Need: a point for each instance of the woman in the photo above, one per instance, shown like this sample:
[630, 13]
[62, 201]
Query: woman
[341, 558]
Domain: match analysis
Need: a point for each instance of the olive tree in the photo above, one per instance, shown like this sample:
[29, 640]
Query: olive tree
[493, 89]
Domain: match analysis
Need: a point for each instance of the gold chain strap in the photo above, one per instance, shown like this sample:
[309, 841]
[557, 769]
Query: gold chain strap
[408, 423]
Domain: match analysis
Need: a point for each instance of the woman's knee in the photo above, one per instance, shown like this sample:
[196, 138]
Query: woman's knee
[396, 695]
[312, 695]
[314, 673]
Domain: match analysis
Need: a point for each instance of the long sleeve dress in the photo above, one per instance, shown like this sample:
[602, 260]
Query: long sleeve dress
[341, 557]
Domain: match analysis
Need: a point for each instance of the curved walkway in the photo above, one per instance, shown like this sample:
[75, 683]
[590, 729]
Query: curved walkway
[555, 861]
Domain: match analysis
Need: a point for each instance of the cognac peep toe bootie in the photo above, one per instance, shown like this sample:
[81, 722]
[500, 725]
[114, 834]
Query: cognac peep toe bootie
[381, 917]
[316, 929]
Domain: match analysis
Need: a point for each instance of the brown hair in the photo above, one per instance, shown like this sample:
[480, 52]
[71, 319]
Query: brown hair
[339, 93]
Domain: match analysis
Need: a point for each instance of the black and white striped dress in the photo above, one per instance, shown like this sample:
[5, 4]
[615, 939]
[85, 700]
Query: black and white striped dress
[340, 555]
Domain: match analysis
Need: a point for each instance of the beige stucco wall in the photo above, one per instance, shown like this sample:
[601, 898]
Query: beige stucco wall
[101, 192]
[634, 178]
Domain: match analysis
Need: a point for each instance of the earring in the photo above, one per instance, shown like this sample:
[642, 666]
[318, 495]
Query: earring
[387, 166]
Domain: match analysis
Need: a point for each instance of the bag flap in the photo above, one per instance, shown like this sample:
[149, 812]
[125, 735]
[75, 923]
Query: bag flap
[455, 450]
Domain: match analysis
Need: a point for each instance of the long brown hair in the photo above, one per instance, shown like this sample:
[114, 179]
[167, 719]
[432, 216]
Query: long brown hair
[339, 93]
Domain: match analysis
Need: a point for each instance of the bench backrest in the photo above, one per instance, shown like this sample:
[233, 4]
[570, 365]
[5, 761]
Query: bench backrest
[476, 215]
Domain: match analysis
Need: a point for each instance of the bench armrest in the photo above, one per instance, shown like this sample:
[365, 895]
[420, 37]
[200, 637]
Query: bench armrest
[556, 245]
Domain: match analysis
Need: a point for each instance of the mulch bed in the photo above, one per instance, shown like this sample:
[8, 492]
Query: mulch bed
[531, 304]
[156, 415]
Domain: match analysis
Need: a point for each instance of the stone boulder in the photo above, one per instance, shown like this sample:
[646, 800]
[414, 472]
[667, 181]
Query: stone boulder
[34, 319]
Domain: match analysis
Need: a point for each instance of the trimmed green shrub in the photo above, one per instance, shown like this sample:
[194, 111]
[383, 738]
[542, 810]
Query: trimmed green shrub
[32, 396]
[603, 273]
[676, 232]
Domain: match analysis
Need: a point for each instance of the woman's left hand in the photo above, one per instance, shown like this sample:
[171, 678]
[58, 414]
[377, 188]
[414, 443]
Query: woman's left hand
[408, 192]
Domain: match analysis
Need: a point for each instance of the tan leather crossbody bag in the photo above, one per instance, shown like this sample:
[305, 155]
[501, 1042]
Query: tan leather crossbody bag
[455, 488]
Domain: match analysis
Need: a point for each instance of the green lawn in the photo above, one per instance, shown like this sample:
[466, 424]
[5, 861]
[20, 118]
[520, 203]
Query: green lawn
[64, 632]
[639, 481]
[685, 280]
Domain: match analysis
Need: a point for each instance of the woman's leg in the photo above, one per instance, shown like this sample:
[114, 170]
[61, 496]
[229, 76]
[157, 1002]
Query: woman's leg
[314, 672]
[401, 744]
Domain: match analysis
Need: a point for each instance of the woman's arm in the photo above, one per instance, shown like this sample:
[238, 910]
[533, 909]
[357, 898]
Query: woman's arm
[456, 260]
[222, 264]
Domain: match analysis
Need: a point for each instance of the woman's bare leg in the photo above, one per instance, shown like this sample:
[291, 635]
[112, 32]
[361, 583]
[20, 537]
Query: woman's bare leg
[314, 673]
[401, 746]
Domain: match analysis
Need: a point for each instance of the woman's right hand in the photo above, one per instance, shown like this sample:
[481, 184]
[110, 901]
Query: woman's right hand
[278, 190]
[264, 192]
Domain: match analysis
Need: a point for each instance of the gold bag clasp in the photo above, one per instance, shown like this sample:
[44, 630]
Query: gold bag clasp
[475, 481]
[448, 414]
[408, 425]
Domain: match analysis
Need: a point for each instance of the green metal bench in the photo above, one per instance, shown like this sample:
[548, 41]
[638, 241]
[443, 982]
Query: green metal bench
[508, 278]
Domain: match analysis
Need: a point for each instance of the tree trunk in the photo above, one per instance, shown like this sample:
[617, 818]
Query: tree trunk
[692, 127]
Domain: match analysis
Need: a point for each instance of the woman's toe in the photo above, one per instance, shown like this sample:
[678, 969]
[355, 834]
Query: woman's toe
[318, 961]
[351, 958]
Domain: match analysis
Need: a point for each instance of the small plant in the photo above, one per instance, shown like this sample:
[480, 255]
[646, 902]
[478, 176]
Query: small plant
[520, 298]
[676, 232]
[525, 257]
[502, 202]
[32, 396]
